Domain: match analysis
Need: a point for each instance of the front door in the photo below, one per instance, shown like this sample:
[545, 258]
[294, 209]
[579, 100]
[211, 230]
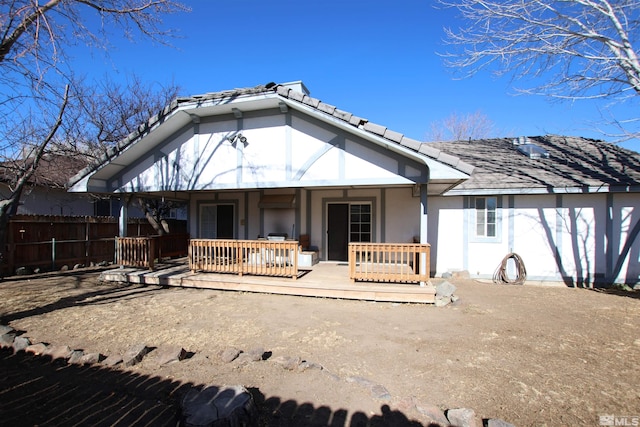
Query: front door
[216, 221]
[337, 231]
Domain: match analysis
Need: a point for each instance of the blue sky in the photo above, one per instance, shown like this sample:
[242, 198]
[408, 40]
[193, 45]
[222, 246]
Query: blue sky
[376, 59]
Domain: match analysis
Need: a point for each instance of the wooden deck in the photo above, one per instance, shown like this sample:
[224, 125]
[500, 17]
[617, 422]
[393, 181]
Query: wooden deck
[325, 279]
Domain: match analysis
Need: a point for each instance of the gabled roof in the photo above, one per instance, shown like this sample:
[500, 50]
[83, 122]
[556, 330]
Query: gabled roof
[574, 165]
[292, 95]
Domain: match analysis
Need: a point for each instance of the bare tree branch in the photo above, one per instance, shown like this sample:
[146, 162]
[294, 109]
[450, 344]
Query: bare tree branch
[458, 127]
[580, 48]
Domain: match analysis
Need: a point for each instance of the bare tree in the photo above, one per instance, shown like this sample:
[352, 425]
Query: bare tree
[578, 48]
[458, 127]
[105, 112]
[37, 87]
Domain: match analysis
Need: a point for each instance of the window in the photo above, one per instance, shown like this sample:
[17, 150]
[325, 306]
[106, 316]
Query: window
[486, 216]
[360, 223]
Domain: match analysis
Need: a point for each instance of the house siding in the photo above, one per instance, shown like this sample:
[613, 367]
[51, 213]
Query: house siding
[578, 239]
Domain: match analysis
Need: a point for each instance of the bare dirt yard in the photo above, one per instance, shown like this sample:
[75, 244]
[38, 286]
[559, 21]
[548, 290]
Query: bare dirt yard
[529, 355]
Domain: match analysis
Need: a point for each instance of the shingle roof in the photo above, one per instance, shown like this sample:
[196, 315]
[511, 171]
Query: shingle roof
[573, 163]
[290, 94]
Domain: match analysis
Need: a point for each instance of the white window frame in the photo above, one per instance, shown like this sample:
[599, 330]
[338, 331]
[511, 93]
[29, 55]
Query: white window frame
[475, 213]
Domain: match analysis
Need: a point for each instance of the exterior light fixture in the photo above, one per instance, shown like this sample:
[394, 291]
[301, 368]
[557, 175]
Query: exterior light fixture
[238, 138]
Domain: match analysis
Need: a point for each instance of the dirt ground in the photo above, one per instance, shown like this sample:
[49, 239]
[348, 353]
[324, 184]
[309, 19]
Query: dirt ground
[530, 355]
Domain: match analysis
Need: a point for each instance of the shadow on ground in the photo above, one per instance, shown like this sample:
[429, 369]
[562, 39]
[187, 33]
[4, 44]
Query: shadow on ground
[102, 296]
[36, 390]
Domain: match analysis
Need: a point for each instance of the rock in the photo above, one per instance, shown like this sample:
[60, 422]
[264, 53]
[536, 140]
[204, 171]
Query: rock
[256, 354]
[230, 354]
[305, 366]
[22, 271]
[445, 290]
[288, 363]
[243, 359]
[447, 275]
[330, 374]
[214, 406]
[493, 422]
[441, 302]
[462, 417]
[64, 268]
[460, 275]
[7, 340]
[6, 329]
[91, 358]
[21, 343]
[636, 287]
[38, 348]
[377, 390]
[76, 356]
[112, 360]
[58, 351]
[37, 270]
[405, 404]
[432, 412]
[170, 353]
[134, 355]
[78, 266]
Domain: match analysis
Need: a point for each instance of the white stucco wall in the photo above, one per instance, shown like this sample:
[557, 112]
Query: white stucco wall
[446, 234]
[276, 154]
[40, 201]
[535, 227]
[402, 216]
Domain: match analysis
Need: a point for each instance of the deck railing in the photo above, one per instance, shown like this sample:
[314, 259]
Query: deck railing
[136, 251]
[257, 257]
[389, 262]
[143, 251]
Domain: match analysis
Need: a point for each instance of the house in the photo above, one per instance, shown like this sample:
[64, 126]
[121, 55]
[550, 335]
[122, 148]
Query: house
[47, 193]
[569, 207]
[272, 160]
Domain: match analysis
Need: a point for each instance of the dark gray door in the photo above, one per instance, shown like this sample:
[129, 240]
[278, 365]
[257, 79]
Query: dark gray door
[337, 231]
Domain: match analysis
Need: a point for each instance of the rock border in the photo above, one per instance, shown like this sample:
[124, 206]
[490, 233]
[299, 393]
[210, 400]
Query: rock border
[458, 417]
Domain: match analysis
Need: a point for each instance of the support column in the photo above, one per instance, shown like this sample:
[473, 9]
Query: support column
[123, 217]
[423, 228]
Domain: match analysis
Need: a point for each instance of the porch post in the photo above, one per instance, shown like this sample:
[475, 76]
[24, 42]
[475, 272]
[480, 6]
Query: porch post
[123, 217]
[423, 228]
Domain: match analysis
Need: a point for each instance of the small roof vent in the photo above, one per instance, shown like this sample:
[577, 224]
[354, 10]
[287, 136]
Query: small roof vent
[533, 151]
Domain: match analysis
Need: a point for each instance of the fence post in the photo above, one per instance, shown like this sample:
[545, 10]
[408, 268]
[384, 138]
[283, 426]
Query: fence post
[53, 254]
[152, 252]
[115, 251]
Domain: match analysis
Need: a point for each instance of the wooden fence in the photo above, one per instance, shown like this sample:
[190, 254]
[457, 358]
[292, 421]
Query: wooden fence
[257, 257]
[48, 242]
[389, 262]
